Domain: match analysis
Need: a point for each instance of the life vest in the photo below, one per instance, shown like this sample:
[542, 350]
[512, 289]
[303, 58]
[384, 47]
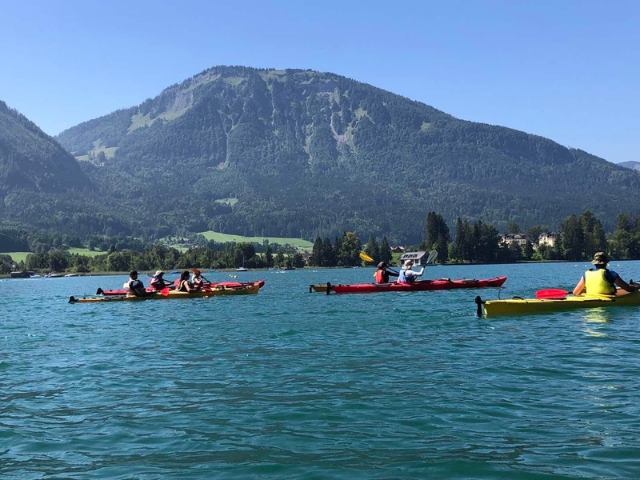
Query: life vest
[379, 276]
[597, 283]
[402, 277]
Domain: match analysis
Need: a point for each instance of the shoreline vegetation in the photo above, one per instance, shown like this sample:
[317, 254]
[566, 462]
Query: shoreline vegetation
[578, 239]
[267, 269]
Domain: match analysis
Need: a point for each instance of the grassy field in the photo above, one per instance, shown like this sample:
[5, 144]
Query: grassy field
[86, 252]
[224, 237]
[16, 256]
[21, 256]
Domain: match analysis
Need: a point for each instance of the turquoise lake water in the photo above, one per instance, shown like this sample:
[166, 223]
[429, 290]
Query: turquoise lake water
[289, 384]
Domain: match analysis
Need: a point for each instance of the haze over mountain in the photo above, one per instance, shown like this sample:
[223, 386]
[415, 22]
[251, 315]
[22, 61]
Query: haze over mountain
[632, 165]
[303, 153]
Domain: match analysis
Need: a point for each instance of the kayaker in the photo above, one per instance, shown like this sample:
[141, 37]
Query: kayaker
[407, 275]
[197, 279]
[158, 282]
[135, 286]
[185, 285]
[382, 275]
[601, 280]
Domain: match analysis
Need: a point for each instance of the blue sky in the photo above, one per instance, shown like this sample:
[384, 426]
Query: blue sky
[564, 69]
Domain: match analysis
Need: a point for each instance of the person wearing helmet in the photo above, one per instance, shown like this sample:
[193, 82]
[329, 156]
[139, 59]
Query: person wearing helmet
[601, 280]
[408, 276]
[382, 274]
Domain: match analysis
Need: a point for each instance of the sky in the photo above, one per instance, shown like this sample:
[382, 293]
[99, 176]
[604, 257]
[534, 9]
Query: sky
[568, 70]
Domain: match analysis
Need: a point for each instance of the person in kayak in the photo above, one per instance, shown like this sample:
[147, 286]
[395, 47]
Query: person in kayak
[382, 275]
[197, 279]
[135, 286]
[408, 276]
[601, 280]
[185, 285]
[158, 282]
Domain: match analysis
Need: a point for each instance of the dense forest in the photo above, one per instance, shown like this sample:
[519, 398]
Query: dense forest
[295, 153]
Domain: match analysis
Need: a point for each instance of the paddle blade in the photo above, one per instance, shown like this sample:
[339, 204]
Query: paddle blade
[164, 292]
[366, 258]
[433, 254]
[551, 293]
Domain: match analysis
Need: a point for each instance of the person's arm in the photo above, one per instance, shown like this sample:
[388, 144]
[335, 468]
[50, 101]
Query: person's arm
[625, 286]
[579, 287]
[419, 274]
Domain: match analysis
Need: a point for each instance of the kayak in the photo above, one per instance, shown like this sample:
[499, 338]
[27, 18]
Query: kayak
[211, 286]
[173, 295]
[420, 286]
[518, 306]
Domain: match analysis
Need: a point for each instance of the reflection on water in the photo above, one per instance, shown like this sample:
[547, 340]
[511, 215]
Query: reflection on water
[597, 315]
[593, 316]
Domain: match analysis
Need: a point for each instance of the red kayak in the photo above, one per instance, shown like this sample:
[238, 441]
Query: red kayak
[211, 286]
[440, 284]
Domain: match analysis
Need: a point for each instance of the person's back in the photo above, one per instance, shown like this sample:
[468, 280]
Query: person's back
[382, 274]
[184, 284]
[600, 281]
[408, 276]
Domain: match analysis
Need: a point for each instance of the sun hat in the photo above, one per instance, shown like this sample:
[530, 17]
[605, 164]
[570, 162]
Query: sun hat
[382, 265]
[408, 264]
[600, 258]
[159, 272]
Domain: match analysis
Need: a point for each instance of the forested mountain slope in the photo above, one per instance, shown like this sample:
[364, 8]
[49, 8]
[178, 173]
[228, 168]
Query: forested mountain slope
[304, 153]
[31, 160]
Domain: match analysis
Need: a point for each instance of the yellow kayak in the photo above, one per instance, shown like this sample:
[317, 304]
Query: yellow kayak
[173, 295]
[518, 306]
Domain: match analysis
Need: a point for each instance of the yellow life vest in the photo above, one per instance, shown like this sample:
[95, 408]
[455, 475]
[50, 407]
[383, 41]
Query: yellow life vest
[596, 284]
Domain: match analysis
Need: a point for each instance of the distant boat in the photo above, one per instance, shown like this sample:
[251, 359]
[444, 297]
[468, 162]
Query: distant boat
[174, 272]
[22, 274]
[53, 275]
[71, 275]
[242, 269]
[36, 276]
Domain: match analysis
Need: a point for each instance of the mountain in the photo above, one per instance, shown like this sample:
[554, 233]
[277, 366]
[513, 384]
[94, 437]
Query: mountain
[305, 153]
[33, 161]
[631, 165]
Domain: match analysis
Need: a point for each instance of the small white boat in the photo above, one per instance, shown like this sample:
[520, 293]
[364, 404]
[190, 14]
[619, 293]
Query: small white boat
[71, 275]
[35, 276]
[242, 269]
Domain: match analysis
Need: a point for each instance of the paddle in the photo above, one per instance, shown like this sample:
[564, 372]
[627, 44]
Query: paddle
[368, 259]
[164, 292]
[433, 254]
[551, 293]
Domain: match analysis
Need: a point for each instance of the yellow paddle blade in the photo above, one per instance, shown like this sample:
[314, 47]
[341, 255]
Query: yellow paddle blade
[366, 257]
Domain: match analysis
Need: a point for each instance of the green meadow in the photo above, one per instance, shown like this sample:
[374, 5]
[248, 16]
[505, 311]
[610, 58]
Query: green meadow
[16, 256]
[86, 252]
[224, 237]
